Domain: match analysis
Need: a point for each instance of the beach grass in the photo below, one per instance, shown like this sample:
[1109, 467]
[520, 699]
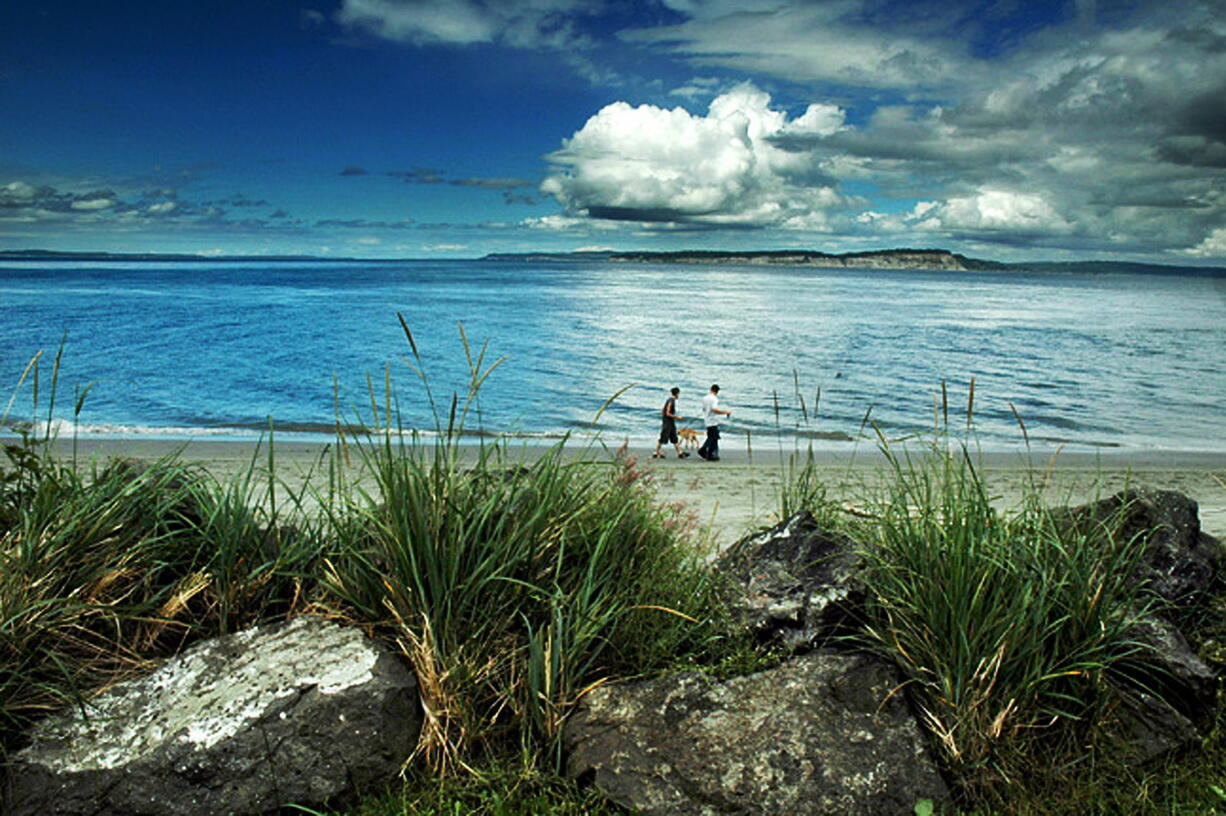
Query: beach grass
[515, 588]
[1011, 629]
[104, 569]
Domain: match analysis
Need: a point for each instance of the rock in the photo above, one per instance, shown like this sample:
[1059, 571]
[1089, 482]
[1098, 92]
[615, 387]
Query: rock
[1178, 673]
[796, 582]
[1147, 729]
[821, 734]
[1170, 699]
[300, 712]
[1181, 562]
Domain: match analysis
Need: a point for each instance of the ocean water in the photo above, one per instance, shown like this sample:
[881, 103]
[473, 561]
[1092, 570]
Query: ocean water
[213, 350]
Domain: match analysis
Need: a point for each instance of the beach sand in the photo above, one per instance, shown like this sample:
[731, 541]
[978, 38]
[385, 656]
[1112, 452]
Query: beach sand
[740, 493]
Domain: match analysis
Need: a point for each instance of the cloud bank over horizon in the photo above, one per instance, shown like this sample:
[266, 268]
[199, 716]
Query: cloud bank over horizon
[1013, 130]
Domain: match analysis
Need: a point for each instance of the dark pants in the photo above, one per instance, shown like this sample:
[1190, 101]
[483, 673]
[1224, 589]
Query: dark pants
[668, 431]
[710, 448]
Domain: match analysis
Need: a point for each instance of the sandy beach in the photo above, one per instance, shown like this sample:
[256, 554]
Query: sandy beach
[740, 493]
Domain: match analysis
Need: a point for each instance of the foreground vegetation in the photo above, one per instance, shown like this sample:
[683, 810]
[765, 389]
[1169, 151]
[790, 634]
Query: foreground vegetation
[516, 586]
[1012, 629]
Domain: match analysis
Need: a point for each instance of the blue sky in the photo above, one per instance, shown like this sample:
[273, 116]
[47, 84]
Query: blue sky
[417, 128]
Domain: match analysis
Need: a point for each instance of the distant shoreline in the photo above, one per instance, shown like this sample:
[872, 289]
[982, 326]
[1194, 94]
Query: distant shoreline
[166, 257]
[895, 259]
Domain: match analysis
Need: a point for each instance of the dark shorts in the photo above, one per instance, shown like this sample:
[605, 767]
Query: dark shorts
[668, 432]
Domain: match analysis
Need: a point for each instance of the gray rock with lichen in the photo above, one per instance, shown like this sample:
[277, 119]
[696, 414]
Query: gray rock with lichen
[1182, 563]
[1177, 672]
[303, 712]
[796, 583]
[820, 734]
[1169, 697]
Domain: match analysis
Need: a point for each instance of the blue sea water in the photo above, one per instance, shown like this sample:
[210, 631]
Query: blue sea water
[216, 349]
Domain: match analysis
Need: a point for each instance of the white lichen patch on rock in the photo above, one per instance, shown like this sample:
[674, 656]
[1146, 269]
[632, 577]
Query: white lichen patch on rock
[206, 695]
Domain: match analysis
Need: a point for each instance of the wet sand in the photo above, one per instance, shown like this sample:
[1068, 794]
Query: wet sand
[740, 493]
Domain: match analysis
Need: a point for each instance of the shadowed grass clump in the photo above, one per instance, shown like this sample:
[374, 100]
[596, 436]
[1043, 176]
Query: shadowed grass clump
[513, 585]
[496, 791]
[1007, 626]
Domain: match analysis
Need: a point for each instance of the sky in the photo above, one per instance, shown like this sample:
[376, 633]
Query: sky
[1005, 129]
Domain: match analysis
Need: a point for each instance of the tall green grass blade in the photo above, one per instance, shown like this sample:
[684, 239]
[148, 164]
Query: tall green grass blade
[616, 395]
[408, 333]
[31, 366]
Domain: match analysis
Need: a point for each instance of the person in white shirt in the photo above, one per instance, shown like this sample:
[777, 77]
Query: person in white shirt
[711, 413]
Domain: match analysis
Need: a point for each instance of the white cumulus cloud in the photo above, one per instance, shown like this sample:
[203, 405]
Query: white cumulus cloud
[1214, 245]
[653, 164]
[992, 210]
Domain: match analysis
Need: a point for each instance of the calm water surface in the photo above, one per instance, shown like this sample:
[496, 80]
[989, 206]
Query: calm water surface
[215, 349]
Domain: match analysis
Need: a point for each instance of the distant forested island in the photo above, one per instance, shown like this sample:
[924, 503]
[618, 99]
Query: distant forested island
[882, 259]
[922, 259]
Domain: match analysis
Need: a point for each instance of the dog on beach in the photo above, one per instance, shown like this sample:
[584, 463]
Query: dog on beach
[688, 437]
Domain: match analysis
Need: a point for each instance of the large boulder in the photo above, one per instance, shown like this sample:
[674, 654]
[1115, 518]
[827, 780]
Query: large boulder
[301, 712]
[821, 734]
[1182, 563]
[1171, 692]
[796, 583]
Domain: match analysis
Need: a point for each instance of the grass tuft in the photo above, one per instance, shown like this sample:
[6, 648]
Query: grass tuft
[514, 584]
[1012, 629]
